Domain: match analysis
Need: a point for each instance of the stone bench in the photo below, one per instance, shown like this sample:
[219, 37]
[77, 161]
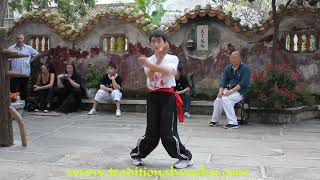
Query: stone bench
[139, 105]
[291, 115]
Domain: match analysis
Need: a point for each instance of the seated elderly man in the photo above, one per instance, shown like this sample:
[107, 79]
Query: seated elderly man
[233, 87]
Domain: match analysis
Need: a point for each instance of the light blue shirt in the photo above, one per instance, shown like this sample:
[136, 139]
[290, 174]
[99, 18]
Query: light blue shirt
[22, 65]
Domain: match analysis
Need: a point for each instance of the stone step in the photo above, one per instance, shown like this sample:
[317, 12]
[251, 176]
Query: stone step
[286, 116]
[139, 105]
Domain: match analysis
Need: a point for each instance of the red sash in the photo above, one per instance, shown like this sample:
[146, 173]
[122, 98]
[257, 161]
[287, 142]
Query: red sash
[179, 102]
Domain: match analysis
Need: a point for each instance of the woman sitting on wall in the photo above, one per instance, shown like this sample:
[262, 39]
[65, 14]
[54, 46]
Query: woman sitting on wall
[44, 88]
[69, 90]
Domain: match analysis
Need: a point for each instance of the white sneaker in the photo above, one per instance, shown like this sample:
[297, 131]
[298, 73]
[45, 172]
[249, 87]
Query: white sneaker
[137, 161]
[118, 113]
[183, 164]
[36, 110]
[187, 115]
[92, 111]
[45, 111]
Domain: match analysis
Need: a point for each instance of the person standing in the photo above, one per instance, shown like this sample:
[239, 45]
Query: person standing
[160, 70]
[21, 65]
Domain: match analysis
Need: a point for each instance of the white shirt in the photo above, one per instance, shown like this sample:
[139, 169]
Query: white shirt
[159, 80]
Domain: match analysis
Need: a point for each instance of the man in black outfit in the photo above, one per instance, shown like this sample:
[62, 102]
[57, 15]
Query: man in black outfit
[183, 89]
[110, 89]
[162, 102]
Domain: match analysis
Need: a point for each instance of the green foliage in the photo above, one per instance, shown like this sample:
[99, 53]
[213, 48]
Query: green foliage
[142, 5]
[68, 9]
[120, 43]
[156, 15]
[275, 87]
[93, 77]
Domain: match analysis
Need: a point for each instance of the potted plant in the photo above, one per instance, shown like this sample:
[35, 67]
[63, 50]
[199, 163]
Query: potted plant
[93, 77]
[275, 87]
[276, 98]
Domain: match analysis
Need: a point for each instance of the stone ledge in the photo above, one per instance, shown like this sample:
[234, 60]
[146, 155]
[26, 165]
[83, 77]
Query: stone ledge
[123, 101]
[284, 116]
[273, 116]
[294, 110]
[139, 105]
[143, 102]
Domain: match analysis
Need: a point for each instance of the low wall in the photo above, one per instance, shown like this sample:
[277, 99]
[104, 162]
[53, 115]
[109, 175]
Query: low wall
[286, 116]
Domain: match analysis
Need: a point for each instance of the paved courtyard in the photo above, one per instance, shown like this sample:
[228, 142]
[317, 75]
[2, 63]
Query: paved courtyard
[100, 142]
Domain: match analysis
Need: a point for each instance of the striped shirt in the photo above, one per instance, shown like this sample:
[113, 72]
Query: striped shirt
[22, 65]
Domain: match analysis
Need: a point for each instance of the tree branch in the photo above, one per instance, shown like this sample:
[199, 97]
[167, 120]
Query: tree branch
[288, 3]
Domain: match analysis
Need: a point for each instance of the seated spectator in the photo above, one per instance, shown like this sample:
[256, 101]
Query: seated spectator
[183, 89]
[233, 87]
[110, 89]
[44, 88]
[69, 90]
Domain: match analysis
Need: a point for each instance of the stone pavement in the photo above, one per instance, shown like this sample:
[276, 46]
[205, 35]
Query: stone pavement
[102, 141]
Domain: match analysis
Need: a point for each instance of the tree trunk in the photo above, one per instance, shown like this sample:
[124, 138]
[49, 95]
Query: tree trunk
[276, 19]
[3, 11]
[6, 137]
[275, 33]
